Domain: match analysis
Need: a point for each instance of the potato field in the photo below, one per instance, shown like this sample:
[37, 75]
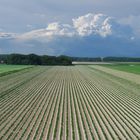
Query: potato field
[70, 103]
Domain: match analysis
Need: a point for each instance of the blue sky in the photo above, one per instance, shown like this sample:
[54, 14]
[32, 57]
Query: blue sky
[23, 25]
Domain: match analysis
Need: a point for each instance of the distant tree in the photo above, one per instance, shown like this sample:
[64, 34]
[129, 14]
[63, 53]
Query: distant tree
[64, 60]
[15, 59]
[34, 59]
[3, 59]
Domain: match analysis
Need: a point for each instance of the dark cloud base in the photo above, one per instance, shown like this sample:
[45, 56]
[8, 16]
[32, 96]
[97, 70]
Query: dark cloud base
[81, 47]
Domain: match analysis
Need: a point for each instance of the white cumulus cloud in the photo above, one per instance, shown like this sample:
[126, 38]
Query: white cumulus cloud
[60, 29]
[53, 30]
[88, 25]
[88, 35]
[97, 24]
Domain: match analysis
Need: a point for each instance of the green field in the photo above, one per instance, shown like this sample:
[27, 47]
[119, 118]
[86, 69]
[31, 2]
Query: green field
[7, 69]
[132, 68]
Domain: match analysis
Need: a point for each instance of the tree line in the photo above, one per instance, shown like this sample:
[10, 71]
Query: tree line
[33, 59]
[106, 59]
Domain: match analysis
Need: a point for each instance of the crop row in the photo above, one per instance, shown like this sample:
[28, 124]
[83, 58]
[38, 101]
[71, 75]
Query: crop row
[67, 103]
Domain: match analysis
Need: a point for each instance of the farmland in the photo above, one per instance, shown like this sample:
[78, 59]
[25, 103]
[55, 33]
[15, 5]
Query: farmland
[70, 103]
[128, 67]
[7, 69]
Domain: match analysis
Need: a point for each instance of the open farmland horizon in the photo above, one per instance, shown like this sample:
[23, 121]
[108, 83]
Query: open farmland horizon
[70, 103]
[69, 70]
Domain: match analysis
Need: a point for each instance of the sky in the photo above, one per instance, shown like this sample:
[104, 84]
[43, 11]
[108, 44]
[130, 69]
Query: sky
[75, 27]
